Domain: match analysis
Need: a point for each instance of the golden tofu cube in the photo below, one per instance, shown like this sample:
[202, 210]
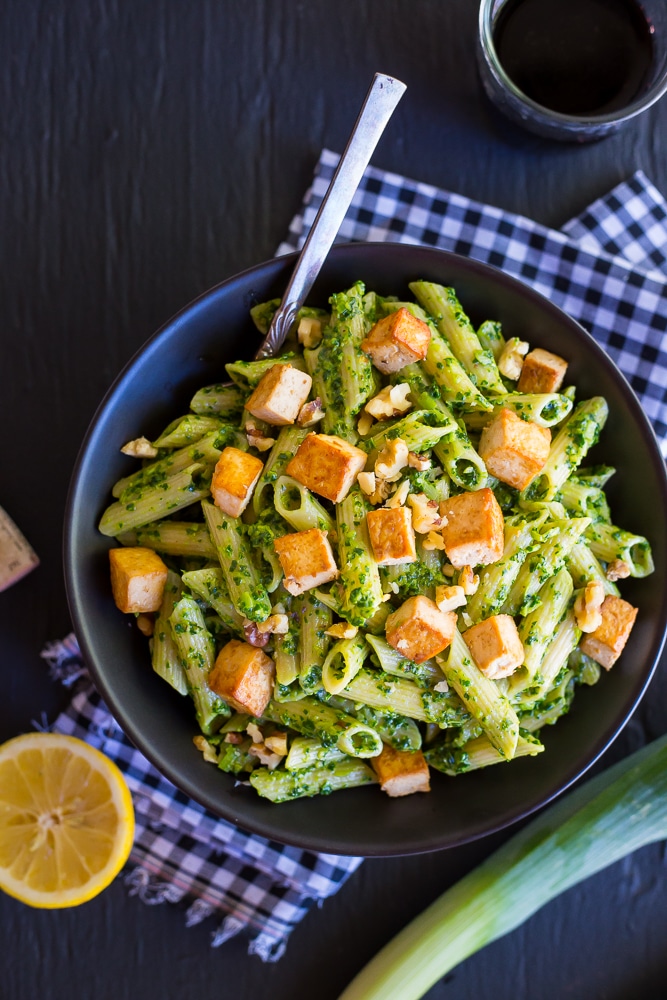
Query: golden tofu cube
[243, 676]
[396, 341]
[279, 395]
[306, 559]
[392, 536]
[542, 372]
[474, 534]
[138, 576]
[495, 646]
[328, 465]
[419, 630]
[401, 772]
[234, 478]
[606, 644]
[513, 449]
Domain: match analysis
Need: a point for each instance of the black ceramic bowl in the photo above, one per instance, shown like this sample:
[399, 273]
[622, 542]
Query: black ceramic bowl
[157, 384]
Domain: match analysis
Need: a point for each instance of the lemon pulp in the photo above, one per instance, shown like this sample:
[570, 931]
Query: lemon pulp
[66, 820]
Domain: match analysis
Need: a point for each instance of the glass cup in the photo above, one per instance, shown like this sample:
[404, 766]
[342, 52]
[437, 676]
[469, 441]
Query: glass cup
[543, 121]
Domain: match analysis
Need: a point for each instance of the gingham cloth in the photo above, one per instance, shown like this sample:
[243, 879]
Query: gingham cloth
[608, 269]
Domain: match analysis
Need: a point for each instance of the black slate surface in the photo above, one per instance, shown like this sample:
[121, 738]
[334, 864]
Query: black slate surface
[148, 150]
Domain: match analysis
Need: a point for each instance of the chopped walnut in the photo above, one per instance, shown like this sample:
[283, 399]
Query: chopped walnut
[390, 402]
[449, 598]
[234, 738]
[139, 448]
[277, 743]
[266, 757]
[342, 630]
[256, 439]
[309, 331]
[146, 624]
[392, 460]
[468, 581]
[400, 495]
[310, 413]
[366, 482]
[274, 625]
[253, 636]
[207, 749]
[425, 513]
[254, 732]
[381, 491]
[618, 569]
[419, 462]
[364, 424]
[434, 540]
[510, 361]
[442, 687]
[587, 606]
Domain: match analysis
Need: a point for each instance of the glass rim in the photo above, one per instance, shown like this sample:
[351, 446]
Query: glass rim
[653, 94]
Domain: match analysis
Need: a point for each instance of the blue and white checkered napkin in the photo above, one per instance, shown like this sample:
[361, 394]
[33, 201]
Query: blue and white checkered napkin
[608, 269]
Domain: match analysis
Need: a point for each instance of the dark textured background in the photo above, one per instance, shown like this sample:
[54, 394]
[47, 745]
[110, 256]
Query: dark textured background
[149, 149]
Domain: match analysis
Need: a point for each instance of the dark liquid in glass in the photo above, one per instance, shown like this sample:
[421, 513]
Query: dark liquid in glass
[577, 57]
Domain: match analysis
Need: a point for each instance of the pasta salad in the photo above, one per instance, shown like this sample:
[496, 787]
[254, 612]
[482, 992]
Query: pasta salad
[379, 553]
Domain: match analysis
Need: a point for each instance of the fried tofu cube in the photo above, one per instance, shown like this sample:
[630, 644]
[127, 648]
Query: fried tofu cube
[243, 676]
[401, 772]
[513, 449]
[542, 372]
[606, 644]
[234, 478]
[396, 341]
[279, 395]
[328, 465]
[474, 532]
[138, 576]
[495, 646]
[419, 630]
[306, 559]
[392, 536]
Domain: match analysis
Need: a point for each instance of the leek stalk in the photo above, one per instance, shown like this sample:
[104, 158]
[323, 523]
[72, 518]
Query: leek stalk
[609, 817]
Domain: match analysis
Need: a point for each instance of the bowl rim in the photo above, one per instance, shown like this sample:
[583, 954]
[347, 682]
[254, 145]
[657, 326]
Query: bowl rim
[422, 842]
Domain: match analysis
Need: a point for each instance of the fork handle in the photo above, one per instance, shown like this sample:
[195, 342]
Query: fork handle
[377, 109]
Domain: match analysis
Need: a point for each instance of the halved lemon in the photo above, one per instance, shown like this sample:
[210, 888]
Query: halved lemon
[66, 820]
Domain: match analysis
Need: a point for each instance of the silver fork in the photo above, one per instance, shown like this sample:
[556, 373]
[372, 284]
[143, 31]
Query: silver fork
[381, 100]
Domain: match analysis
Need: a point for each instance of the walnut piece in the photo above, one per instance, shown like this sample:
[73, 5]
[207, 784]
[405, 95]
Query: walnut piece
[310, 413]
[139, 448]
[510, 361]
[342, 630]
[392, 460]
[273, 625]
[391, 401]
[617, 569]
[425, 513]
[587, 606]
[449, 598]
[419, 462]
[399, 496]
[434, 540]
[468, 581]
[208, 751]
